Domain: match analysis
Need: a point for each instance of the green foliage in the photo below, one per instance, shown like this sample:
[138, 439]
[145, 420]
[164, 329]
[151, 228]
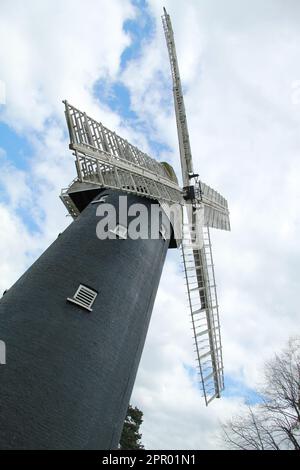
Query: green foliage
[131, 437]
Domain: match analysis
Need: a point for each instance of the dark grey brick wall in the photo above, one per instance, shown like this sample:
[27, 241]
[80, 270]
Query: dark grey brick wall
[69, 373]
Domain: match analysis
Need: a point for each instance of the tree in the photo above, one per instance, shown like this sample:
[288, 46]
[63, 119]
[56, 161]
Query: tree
[273, 424]
[131, 437]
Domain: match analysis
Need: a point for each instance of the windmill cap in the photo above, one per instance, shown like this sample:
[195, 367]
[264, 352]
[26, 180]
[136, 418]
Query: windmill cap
[171, 173]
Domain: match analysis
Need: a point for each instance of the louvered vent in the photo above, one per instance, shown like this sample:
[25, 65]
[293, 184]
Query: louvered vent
[84, 297]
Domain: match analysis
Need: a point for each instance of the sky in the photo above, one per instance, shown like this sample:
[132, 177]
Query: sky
[240, 68]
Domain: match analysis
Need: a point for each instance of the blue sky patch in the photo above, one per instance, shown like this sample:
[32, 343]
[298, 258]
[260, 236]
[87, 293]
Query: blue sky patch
[116, 97]
[140, 29]
[18, 150]
[233, 387]
[236, 388]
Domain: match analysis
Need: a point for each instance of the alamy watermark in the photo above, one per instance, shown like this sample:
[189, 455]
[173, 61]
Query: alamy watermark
[139, 221]
[2, 352]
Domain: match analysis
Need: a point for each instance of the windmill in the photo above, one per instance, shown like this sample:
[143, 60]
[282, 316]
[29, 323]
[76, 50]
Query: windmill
[96, 149]
[75, 323]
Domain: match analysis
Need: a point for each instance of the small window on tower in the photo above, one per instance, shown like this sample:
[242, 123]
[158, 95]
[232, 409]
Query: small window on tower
[120, 231]
[84, 297]
[101, 199]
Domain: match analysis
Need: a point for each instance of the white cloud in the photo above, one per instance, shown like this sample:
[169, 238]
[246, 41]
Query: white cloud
[2, 93]
[58, 50]
[53, 54]
[17, 247]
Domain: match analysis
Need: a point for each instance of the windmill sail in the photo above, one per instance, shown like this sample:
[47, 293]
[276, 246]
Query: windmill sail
[196, 249]
[216, 213]
[203, 303]
[105, 159]
[182, 127]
